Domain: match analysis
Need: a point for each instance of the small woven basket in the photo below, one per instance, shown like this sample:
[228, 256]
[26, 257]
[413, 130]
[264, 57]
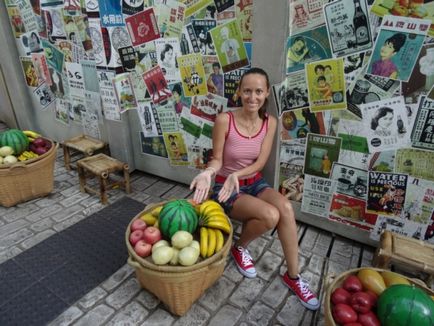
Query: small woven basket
[332, 283]
[177, 286]
[27, 180]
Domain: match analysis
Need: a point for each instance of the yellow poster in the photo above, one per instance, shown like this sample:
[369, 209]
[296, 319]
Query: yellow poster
[192, 74]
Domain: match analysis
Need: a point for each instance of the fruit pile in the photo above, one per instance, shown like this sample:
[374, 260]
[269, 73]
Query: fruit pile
[372, 298]
[21, 145]
[179, 232]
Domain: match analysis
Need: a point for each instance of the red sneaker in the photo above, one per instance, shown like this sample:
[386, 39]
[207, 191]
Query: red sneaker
[244, 261]
[301, 288]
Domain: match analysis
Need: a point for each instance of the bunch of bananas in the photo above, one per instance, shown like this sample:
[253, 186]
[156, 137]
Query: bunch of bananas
[27, 155]
[31, 135]
[211, 241]
[212, 215]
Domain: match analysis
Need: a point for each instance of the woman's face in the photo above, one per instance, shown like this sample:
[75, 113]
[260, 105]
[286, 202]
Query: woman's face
[387, 51]
[298, 46]
[253, 92]
[168, 55]
[385, 121]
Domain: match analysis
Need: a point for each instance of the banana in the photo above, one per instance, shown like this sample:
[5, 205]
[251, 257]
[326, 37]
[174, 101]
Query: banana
[210, 211]
[212, 241]
[208, 203]
[31, 133]
[220, 240]
[217, 216]
[149, 218]
[156, 211]
[203, 241]
[225, 227]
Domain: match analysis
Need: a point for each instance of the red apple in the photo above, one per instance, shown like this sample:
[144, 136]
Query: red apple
[135, 236]
[152, 235]
[340, 295]
[352, 284]
[138, 225]
[361, 302]
[142, 248]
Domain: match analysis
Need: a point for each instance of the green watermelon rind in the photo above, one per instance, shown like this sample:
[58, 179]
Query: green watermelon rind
[177, 215]
[16, 139]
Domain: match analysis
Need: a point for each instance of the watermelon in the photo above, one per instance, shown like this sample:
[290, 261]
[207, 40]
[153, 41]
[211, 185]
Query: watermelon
[403, 304]
[177, 215]
[16, 139]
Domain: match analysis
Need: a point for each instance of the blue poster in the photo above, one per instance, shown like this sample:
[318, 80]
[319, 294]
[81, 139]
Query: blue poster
[110, 12]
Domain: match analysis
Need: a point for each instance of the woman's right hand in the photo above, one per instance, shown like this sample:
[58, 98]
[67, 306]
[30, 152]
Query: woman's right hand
[201, 183]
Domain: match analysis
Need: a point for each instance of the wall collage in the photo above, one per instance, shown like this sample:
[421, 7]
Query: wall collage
[356, 107]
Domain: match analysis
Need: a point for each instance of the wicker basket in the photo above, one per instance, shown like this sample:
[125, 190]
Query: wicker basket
[177, 286]
[333, 283]
[27, 180]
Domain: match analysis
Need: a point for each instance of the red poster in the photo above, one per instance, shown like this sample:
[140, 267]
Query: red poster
[157, 85]
[142, 27]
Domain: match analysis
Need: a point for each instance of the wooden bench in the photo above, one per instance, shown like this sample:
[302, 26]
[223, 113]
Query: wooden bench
[81, 145]
[100, 166]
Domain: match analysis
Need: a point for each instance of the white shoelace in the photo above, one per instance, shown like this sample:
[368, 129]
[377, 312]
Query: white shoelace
[304, 286]
[245, 257]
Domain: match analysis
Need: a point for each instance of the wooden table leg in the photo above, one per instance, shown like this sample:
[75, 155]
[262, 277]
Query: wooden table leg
[82, 178]
[103, 187]
[127, 179]
[67, 157]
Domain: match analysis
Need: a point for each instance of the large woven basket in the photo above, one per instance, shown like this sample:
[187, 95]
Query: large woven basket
[27, 180]
[177, 286]
[333, 283]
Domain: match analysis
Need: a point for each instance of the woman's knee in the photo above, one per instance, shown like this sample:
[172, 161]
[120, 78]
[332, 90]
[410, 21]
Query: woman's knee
[287, 212]
[272, 217]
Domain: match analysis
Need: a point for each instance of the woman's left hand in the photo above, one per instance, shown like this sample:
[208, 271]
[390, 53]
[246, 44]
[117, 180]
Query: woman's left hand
[231, 184]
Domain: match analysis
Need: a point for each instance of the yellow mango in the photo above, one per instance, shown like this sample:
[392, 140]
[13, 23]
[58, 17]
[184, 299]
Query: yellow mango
[149, 219]
[391, 278]
[371, 280]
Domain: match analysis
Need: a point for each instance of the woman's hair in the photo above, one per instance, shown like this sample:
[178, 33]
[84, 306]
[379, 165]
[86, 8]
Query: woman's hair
[383, 111]
[167, 48]
[261, 72]
[177, 88]
[397, 41]
[216, 64]
[35, 35]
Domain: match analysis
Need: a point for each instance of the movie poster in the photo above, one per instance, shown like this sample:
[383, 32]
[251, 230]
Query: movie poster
[321, 152]
[192, 74]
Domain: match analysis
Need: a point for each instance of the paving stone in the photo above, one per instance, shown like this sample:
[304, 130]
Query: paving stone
[275, 293]
[260, 314]
[9, 253]
[97, 316]
[74, 199]
[91, 298]
[159, 317]
[159, 188]
[118, 277]
[268, 264]
[309, 239]
[70, 191]
[256, 248]
[68, 317]
[178, 191]
[322, 244]
[44, 212]
[68, 222]
[37, 238]
[12, 227]
[342, 247]
[60, 186]
[67, 213]
[276, 247]
[196, 316]
[147, 299]
[14, 238]
[316, 264]
[93, 203]
[334, 269]
[227, 315]
[292, 312]
[42, 225]
[313, 279]
[308, 318]
[217, 294]
[245, 294]
[123, 293]
[130, 315]
[20, 212]
[232, 272]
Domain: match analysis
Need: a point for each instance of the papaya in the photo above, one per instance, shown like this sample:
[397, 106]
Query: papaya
[391, 278]
[371, 280]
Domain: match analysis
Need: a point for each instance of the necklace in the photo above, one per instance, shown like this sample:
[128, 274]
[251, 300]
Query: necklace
[250, 129]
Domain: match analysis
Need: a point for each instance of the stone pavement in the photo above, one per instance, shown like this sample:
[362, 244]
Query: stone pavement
[232, 300]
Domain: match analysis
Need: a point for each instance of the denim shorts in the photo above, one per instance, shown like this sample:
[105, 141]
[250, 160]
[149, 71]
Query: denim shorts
[253, 189]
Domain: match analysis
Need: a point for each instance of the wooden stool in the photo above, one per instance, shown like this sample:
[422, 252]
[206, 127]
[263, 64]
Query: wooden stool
[395, 248]
[101, 166]
[82, 144]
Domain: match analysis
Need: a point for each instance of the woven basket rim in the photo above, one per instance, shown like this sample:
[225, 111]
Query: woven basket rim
[178, 268]
[340, 278]
[54, 147]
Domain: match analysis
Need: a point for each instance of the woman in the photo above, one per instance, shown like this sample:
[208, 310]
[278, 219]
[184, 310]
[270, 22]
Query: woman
[166, 56]
[297, 52]
[242, 142]
[382, 121]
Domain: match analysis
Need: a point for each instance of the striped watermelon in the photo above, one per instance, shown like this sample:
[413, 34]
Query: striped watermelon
[16, 139]
[177, 215]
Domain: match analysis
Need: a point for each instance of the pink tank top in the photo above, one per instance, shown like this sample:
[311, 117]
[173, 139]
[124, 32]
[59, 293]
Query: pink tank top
[241, 151]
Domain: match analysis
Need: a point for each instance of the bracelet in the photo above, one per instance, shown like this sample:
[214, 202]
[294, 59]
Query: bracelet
[212, 170]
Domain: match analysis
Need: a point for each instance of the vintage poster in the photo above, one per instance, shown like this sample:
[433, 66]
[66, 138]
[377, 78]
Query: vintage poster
[397, 47]
[305, 15]
[397, 225]
[147, 120]
[298, 123]
[167, 118]
[317, 195]
[153, 145]
[110, 13]
[386, 124]
[61, 111]
[27, 15]
[82, 24]
[131, 7]
[55, 57]
[201, 29]
[29, 71]
[109, 101]
[146, 57]
[124, 92]
[429, 233]
[348, 26]
[309, 46]
[418, 9]
[225, 16]
[142, 27]
[90, 77]
[292, 93]
[350, 210]
[90, 125]
[419, 200]
[192, 74]
[386, 193]
[31, 43]
[176, 148]
[68, 49]
[214, 75]
[170, 17]
[180, 102]
[326, 85]
[78, 109]
[17, 23]
[192, 6]
[57, 85]
[321, 152]
[353, 64]
[167, 53]
[192, 126]
[291, 176]
[114, 38]
[418, 163]
[96, 36]
[128, 58]
[367, 88]
[43, 96]
[231, 80]
[157, 85]
[244, 14]
[198, 156]
[350, 181]
[74, 73]
[229, 45]
[208, 106]
[188, 43]
[41, 68]
[422, 135]
[382, 161]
